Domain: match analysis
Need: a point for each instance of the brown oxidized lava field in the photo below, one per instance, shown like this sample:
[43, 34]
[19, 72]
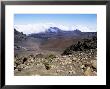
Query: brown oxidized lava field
[55, 53]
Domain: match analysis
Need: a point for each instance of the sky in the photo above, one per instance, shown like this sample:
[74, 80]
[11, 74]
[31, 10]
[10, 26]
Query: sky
[34, 23]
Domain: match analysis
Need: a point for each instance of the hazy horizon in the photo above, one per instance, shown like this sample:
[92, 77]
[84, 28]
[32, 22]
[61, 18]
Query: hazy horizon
[35, 23]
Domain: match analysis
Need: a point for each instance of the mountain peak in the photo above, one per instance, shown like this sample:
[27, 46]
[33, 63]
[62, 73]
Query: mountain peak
[77, 31]
[53, 30]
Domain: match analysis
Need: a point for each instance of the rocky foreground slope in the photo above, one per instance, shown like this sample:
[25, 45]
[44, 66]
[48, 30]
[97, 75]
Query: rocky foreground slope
[76, 60]
[81, 63]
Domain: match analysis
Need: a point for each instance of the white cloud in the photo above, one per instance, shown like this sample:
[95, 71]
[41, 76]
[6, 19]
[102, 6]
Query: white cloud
[83, 28]
[42, 27]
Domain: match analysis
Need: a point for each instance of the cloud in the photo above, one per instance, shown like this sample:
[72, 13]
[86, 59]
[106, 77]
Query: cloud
[30, 28]
[83, 28]
[42, 27]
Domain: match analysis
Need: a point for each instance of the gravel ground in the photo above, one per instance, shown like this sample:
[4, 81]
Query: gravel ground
[77, 64]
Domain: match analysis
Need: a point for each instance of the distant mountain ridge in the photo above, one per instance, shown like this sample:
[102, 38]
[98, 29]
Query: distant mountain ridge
[55, 32]
[58, 30]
